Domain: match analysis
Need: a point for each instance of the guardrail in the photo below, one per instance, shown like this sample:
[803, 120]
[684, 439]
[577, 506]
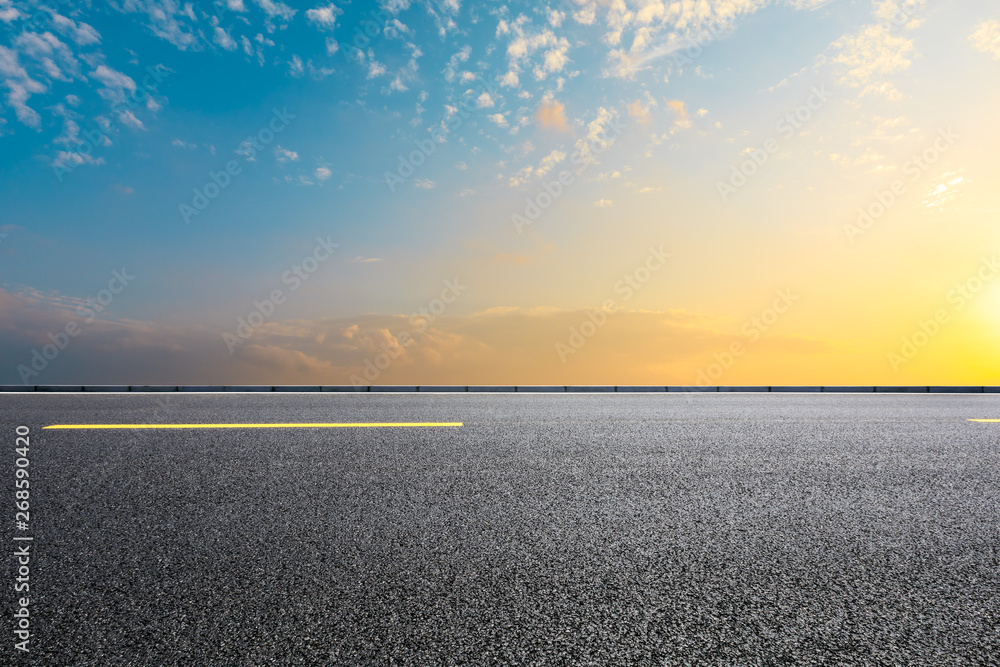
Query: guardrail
[535, 389]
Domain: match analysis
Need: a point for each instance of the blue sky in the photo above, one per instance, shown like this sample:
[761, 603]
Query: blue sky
[113, 115]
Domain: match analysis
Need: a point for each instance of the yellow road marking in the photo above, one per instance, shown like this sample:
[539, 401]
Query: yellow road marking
[985, 420]
[317, 425]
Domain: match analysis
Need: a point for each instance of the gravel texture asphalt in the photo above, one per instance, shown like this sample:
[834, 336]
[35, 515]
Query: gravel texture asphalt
[701, 529]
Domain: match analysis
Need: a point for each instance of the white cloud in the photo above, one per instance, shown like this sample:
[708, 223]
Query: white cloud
[284, 156]
[395, 6]
[870, 55]
[554, 61]
[126, 117]
[484, 101]
[395, 29]
[549, 161]
[604, 203]
[45, 48]
[8, 13]
[945, 192]
[295, 67]
[69, 158]
[425, 184]
[81, 33]
[115, 82]
[20, 87]
[276, 9]
[659, 28]
[168, 20]
[522, 176]
[986, 38]
[322, 173]
[499, 119]
[224, 39]
[586, 16]
[324, 18]
[598, 138]
[510, 80]
[900, 13]
[458, 58]
[71, 130]
[525, 44]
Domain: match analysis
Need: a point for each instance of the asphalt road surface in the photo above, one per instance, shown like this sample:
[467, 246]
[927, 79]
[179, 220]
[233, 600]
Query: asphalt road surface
[608, 529]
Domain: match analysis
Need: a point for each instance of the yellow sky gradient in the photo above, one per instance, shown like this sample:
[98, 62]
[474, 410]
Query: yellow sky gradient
[868, 193]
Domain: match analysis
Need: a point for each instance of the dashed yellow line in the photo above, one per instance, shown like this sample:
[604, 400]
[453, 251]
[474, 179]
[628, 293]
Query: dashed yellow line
[993, 421]
[310, 425]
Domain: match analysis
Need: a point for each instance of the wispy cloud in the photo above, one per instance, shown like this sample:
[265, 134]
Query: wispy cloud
[284, 156]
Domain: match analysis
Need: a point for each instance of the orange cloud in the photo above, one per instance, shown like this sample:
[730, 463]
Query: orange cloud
[502, 345]
[682, 115]
[639, 112]
[552, 114]
[499, 346]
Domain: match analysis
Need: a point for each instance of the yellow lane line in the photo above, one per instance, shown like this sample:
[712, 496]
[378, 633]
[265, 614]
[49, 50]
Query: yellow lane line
[316, 425]
[985, 420]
